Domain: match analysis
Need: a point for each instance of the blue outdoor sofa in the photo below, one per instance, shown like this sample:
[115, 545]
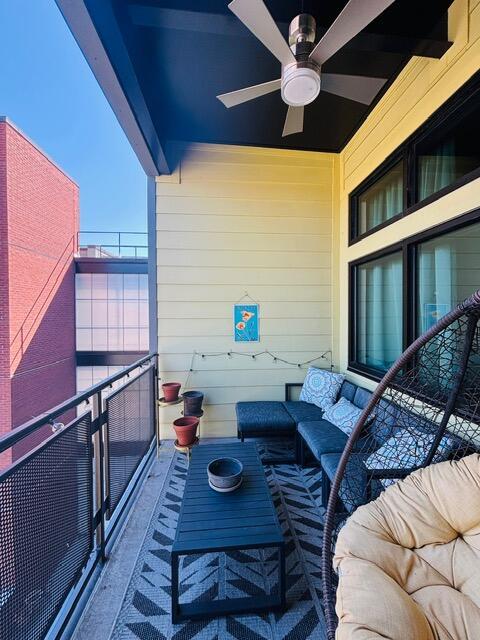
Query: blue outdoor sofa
[319, 442]
[314, 437]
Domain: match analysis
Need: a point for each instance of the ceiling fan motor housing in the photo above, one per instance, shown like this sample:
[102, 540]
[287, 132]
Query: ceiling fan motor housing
[301, 79]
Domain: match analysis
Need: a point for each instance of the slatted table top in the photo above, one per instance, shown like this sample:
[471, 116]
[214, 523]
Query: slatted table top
[212, 521]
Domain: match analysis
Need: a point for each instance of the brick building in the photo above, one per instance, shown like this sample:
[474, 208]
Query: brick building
[39, 218]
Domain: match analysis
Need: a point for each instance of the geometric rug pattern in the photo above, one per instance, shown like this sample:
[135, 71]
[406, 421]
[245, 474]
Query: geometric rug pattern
[145, 612]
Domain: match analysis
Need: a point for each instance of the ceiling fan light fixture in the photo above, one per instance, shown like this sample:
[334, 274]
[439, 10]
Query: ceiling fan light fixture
[302, 60]
[300, 85]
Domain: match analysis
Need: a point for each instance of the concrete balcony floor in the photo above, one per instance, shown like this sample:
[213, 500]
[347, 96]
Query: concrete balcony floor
[131, 598]
[103, 608]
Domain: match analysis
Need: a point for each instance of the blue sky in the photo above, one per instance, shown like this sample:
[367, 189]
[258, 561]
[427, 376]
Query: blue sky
[48, 90]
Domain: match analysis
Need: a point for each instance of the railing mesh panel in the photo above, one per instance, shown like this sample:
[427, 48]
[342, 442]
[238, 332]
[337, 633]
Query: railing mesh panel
[131, 428]
[46, 530]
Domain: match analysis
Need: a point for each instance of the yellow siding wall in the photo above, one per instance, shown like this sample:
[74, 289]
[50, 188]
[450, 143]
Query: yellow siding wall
[421, 88]
[275, 223]
[232, 219]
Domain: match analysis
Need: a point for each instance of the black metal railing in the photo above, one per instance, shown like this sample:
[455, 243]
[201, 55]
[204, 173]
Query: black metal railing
[112, 244]
[67, 479]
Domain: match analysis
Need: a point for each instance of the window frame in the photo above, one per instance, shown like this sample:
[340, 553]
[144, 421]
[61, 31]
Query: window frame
[450, 114]
[353, 364]
[399, 156]
[409, 248]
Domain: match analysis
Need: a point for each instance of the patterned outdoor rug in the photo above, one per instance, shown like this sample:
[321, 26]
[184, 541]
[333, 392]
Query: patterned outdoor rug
[145, 612]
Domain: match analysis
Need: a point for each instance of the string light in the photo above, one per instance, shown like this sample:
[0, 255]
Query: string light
[325, 355]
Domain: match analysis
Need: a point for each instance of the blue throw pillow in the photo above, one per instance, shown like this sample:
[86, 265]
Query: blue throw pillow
[406, 450]
[321, 387]
[343, 415]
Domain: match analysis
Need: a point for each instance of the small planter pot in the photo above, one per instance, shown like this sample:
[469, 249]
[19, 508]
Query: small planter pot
[186, 430]
[171, 391]
[192, 403]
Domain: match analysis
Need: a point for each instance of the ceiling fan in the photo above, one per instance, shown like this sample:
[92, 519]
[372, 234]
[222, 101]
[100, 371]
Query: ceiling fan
[302, 79]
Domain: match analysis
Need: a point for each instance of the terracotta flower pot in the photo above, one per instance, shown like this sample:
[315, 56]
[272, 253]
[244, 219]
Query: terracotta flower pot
[186, 429]
[171, 391]
[192, 403]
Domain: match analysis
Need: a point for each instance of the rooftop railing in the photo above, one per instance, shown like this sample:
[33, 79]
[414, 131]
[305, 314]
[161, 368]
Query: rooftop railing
[112, 244]
[67, 479]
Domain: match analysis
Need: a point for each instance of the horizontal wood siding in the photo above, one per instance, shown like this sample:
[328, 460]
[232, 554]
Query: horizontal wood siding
[232, 219]
[422, 87]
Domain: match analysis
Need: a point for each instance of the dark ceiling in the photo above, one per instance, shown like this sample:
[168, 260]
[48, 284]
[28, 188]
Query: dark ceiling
[185, 52]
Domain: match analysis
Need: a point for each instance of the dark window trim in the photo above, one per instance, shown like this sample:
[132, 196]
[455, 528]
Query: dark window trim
[111, 265]
[107, 358]
[458, 106]
[408, 247]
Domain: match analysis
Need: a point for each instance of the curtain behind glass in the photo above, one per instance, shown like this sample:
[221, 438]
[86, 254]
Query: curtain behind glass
[379, 321]
[437, 271]
[437, 170]
[382, 201]
[436, 287]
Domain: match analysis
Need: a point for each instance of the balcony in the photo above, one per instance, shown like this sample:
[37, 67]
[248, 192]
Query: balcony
[96, 512]
[90, 502]
[112, 244]
[68, 477]
[354, 245]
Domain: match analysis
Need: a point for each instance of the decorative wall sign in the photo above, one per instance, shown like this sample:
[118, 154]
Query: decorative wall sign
[245, 318]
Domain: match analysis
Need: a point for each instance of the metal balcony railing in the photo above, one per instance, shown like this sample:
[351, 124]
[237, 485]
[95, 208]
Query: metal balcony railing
[67, 479]
[112, 244]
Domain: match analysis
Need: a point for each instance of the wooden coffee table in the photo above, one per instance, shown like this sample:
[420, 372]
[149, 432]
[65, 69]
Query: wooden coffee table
[214, 522]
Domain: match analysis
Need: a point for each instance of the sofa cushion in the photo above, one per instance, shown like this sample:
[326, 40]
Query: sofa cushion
[384, 421]
[344, 415]
[408, 563]
[321, 387]
[353, 488]
[361, 397]
[303, 411]
[322, 437]
[263, 418]
[347, 390]
[407, 449]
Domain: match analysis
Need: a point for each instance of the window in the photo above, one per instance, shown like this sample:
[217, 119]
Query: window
[396, 296]
[446, 156]
[448, 271]
[112, 311]
[440, 156]
[381, 201]
[378, 296]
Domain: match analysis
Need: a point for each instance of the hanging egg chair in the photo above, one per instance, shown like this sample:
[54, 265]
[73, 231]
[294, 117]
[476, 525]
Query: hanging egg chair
[425, 410]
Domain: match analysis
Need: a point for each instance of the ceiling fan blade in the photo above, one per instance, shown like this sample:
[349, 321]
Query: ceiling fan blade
[355, 16]
[249, 93]
[359, 88]
[256, 17]
[293, 121]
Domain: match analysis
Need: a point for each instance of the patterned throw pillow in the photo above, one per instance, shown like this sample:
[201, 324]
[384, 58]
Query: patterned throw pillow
[406, 450]
[321, 387]
[343, 414]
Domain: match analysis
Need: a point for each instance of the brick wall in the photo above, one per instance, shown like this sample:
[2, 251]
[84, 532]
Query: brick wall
[5, 397]
[40, 218]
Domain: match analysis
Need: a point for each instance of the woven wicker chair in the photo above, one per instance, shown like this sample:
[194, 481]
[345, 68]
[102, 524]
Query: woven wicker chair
[426, 409]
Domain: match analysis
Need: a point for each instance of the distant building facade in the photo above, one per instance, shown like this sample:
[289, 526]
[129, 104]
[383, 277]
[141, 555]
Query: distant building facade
[39, 220]
[111, 315]
[69, 315]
